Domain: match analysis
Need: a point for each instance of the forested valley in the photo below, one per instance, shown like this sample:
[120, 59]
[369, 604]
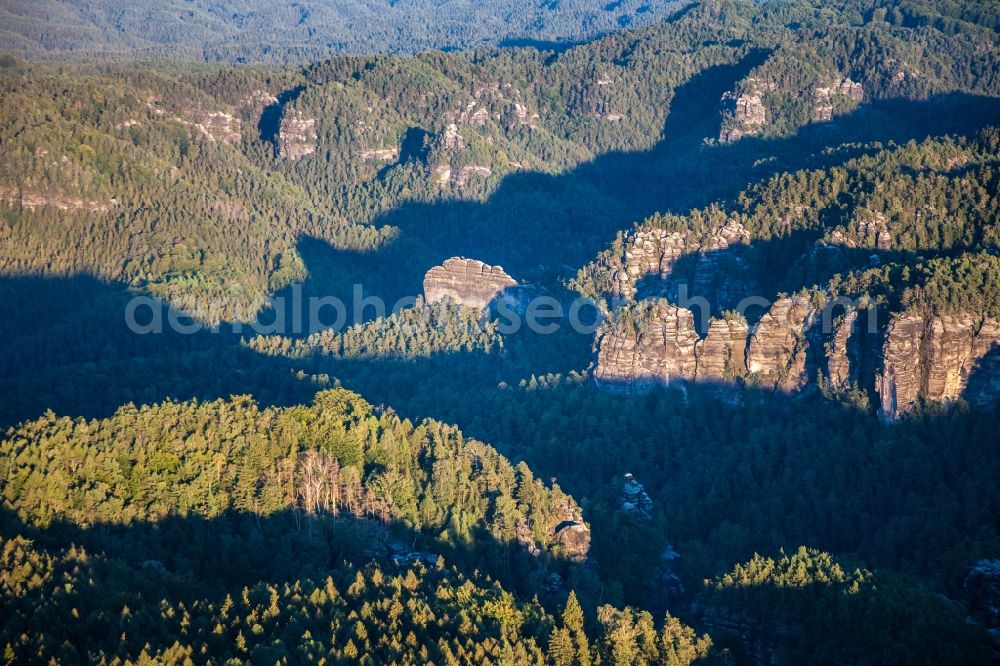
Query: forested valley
[810, 479]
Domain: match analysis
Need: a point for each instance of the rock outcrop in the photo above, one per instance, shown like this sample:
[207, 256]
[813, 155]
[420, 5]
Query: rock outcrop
[296, 136]
[213, 125]
[634, 498]
[660, 345]
[655, 252]
[466, 281]
[36, 200]
[721, 354]
[660, 350]
[934, 357]
[982, 585]
[745, 116]
[779, 346]
[443, 174]
[573, 537]
[380, 154]
[842, 352]
[451, 138]
[825, 98]
[256, 101]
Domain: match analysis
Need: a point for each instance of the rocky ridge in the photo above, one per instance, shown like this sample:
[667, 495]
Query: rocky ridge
[36, 200]
[825, 98]
[467, 282]
[745, 115]
[655, 252]
[939, 358]
[920, 356]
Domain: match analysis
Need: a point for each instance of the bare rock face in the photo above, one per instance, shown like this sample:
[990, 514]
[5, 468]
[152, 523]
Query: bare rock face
[466, 281]
[747, 113]
[824, 98]
[380, 154]
[256, 101]
[634, 498]
[843, 350]
[296, 136]
[213, 125]
[778, 345]
[721, 354]
[651, 252]
[899, 383]
[573, 537]
[451, 138]
[443, 174]
[662, 350]
[36, 200]
[655, 252]
[665, 348]
[934, 357]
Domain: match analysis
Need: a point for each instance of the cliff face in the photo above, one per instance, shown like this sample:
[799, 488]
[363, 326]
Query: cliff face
[213, 125]
[35, 200]
[656, 252]
[938, 357]
[721, 354]
[661, 351]
[296, 136]
[466, 281]
[935, 357]
[778, 346]
[826, 97]
[746, 116]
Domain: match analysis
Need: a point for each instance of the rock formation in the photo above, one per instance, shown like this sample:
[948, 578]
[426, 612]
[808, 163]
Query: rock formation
[721, 354]
[654, 252]
[466, 281]
[380, 154]
[778, 345]
[982, 587]
[451, 138]
[256, 101]
[458, 176]
[36, 200]
[934, 357]
[824, 98]
[634, 498]
[573, 537]
[661, 350]
[660, 345]
[746, 116]
[213, 125]
[296, 136]
[842, 351]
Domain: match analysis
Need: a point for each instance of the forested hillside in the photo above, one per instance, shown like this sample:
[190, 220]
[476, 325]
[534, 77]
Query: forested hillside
[769, 438]
[297, 32]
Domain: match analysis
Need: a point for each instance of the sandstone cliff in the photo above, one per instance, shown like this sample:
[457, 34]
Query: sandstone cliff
[659, 345]
[778, 346]
[826, 98]
[296, 136]
[657, 349]
[466, 281]
[36, 200]
[218, 126]
[933, 357]
[655, 252]
[745, 115]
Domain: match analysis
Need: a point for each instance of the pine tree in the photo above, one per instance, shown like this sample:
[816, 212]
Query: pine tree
[573, 622]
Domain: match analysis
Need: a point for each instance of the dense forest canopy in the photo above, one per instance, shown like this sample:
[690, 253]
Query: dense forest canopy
[231, 477]
[297, 32]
